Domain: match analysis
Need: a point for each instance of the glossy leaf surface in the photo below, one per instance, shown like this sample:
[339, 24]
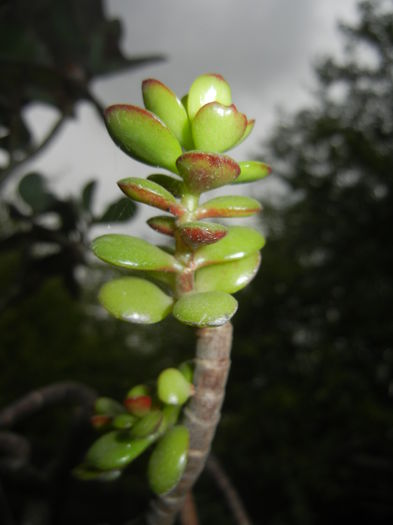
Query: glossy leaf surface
[207, 88]
[228, 277]
[135, 300]
[172, 387]
[124, 421]
[142, 135]
[168, 460]
[239, 242]
[115, 450]
[133, 253]
[251, 170]
[247, 131]
[174, 186]
[147, 425]
[151, 193]
[213, 308]
[217, 128]
[162, 224]
[161, 100]
[205, 171]
[196, 233]
[228, 206]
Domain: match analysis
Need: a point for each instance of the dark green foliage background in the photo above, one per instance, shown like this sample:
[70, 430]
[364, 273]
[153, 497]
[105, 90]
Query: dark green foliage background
[307, 429]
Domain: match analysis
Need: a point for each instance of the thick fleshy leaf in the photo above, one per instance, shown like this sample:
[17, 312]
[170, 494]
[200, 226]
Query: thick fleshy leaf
[161, 100]
[205, 171]
[86, 473]
[228, 277]
[212, 308]
[147, 425]
[239, 242]
[163, 224]
[173, 388]
[218, 128]
[168, 460]
[135, 300]
[143, 136]
[133, 253]
[228, 206]
[196, 234]
[174, 186]
[252, 170]
[207, 88]
[115, 450]
[151, 193]
[247, 131]
[108, 406]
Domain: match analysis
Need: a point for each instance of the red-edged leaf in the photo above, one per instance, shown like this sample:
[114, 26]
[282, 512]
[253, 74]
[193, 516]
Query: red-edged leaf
[142, 135]
[228, 206]
[252, 170]
[162, 224]
[196, 234]
[217, 127]
[205, 171]
[138, 405]
[151, 193]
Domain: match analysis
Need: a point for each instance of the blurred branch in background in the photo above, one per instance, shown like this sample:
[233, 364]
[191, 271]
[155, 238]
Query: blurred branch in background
[50, 52]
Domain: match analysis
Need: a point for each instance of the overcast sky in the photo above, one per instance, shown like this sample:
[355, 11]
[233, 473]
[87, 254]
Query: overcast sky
[264, 48]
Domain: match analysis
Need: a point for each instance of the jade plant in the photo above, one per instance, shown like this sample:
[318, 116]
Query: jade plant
[194, 279]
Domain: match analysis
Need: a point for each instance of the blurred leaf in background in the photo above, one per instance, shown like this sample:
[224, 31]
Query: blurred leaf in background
[50, 52]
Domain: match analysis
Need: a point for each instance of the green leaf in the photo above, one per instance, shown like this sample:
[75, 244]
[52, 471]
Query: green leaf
[108, 406]
[205, 171]
[251, 170]
[218, 128]
[135, 300]
[202, 309]
[133, 253]
[33, 190]
[228, 206]
[207, 88]
[86, 473]
[151, 193]
[148, 424]
[168, 460]
[115, 450]
[247, 131]
[88, 195]
[196, 234]
[172, 387]
[120, 210]
[143, 136]
[228, 277]
[239, 242]
[163, 224]
[161, 100]
[174, 186]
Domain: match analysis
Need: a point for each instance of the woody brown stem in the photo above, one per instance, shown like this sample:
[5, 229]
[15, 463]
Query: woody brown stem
[201, 416]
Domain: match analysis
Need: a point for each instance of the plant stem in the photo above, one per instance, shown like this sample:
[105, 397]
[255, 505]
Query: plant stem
[201, 416]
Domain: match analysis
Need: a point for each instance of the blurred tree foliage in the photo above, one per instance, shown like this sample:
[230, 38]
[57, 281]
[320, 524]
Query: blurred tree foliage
[312, 381]
[50, 52]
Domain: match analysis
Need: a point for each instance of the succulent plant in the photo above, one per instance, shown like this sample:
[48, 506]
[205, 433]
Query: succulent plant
[209, 261]
[194, 280]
